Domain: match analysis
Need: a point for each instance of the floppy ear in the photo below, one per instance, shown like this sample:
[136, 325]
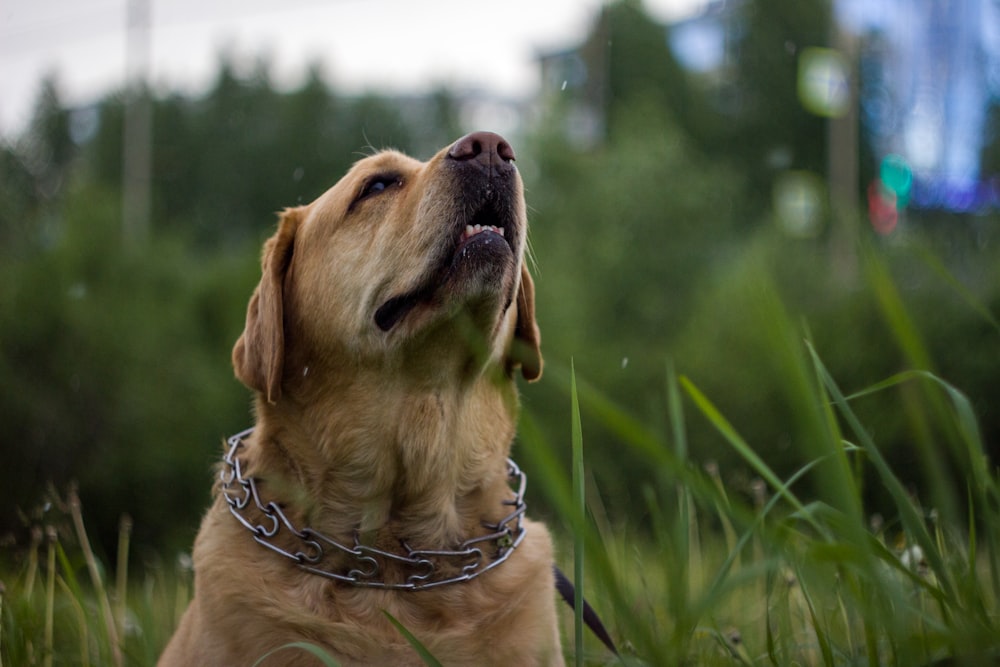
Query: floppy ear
[527, 346]
[259, 353]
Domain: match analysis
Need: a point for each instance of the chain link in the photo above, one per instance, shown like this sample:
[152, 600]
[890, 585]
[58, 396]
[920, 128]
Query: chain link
[364, 563]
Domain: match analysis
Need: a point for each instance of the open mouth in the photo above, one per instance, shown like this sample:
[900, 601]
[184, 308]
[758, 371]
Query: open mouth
[474, 230]
[483, 240]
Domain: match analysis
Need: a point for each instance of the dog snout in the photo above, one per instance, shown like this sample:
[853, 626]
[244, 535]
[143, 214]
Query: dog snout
[487, 150]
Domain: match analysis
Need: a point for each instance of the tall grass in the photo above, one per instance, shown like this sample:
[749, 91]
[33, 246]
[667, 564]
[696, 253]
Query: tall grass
[59, 608]
[799, 571]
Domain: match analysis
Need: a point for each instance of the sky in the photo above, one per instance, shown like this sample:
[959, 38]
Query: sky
[381, 45]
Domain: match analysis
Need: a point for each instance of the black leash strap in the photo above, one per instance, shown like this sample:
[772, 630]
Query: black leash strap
[590, 617]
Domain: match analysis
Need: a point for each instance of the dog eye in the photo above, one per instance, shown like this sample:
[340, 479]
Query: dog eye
[377, 185]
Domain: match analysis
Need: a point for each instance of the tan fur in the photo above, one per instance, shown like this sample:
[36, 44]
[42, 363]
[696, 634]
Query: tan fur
[400, 434]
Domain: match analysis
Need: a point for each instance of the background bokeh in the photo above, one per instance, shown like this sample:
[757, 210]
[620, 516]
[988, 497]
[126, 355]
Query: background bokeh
[678, 175]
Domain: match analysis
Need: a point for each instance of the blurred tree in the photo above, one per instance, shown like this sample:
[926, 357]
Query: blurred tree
[223, 164]
[114, 367]
[445, 121]
[379, 123]
[318, 148]
[771, 130]
[237, 139]
[650, 246]
[990, 158]
[18, 203]
[623, 236]
[757, 121]
[639, 64]
[624, 59]
[176, 184]
[33, 172]
[48, 149]
[115, 373]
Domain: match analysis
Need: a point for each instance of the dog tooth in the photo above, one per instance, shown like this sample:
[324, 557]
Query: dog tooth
[472, 230]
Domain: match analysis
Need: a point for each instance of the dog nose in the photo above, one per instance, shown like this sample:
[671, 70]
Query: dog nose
[488, 149]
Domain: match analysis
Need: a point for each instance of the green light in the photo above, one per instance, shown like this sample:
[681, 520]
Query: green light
[824, 83]
[897, 178]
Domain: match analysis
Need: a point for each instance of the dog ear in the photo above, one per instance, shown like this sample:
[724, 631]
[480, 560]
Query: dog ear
[527, 346]
[259, 353]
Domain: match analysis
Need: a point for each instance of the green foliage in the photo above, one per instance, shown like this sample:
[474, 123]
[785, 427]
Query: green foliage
[653, 244]
[223, 163]
[859, 329]
[764, 504]
[774, 32]
[639, 64]
[645, 199]
[114, 365]
[59, 608]
[804, 573]
[796, 571]
[115, 372]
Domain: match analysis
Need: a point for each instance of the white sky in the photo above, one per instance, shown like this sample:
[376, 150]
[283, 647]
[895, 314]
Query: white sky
[384, 45]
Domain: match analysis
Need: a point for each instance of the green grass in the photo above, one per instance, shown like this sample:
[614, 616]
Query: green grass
[796, 572]
[57, 606]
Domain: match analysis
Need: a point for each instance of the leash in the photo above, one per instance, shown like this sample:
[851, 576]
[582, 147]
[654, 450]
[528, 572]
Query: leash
[590, 617]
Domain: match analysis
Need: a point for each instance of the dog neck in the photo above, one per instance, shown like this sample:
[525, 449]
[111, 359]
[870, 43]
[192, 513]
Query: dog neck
[401, 568]
[419, 461]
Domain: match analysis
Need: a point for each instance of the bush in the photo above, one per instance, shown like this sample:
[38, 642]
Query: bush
[116, 373]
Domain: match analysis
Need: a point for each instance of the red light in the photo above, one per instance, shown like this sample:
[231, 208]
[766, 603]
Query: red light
[882, 211]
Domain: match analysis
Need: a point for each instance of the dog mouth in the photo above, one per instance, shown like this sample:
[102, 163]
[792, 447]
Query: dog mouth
[470, 254]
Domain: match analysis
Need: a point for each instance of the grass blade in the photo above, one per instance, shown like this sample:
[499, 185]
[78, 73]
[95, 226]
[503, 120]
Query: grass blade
[121, 580]
[312, 649]
[727, 431]
[100, 591]
[937, 266]
[421, 650]
[579, 517]
[50, 593]
[897, 318]
[911, 519]
[821, 638]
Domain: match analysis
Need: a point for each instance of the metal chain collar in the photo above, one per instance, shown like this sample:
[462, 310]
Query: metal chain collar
[364, 563]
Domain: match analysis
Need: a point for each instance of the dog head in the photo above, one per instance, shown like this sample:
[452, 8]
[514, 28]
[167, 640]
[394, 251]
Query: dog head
[401, 264]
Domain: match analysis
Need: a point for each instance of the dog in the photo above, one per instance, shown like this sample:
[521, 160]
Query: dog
[373, 509]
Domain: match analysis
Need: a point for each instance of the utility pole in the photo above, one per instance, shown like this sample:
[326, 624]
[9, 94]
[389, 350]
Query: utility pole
[842, 152]
[137, 144]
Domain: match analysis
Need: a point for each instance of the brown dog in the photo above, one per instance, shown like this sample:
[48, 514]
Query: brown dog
[382, 341]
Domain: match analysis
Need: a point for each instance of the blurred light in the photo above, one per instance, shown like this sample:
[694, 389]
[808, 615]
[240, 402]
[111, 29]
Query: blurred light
[824, 83]
[958, 196]
[699, 43]
[882, 210]
[897, 178]
[923, 135]
[929, 73]
[83, 124]
[798, 203]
